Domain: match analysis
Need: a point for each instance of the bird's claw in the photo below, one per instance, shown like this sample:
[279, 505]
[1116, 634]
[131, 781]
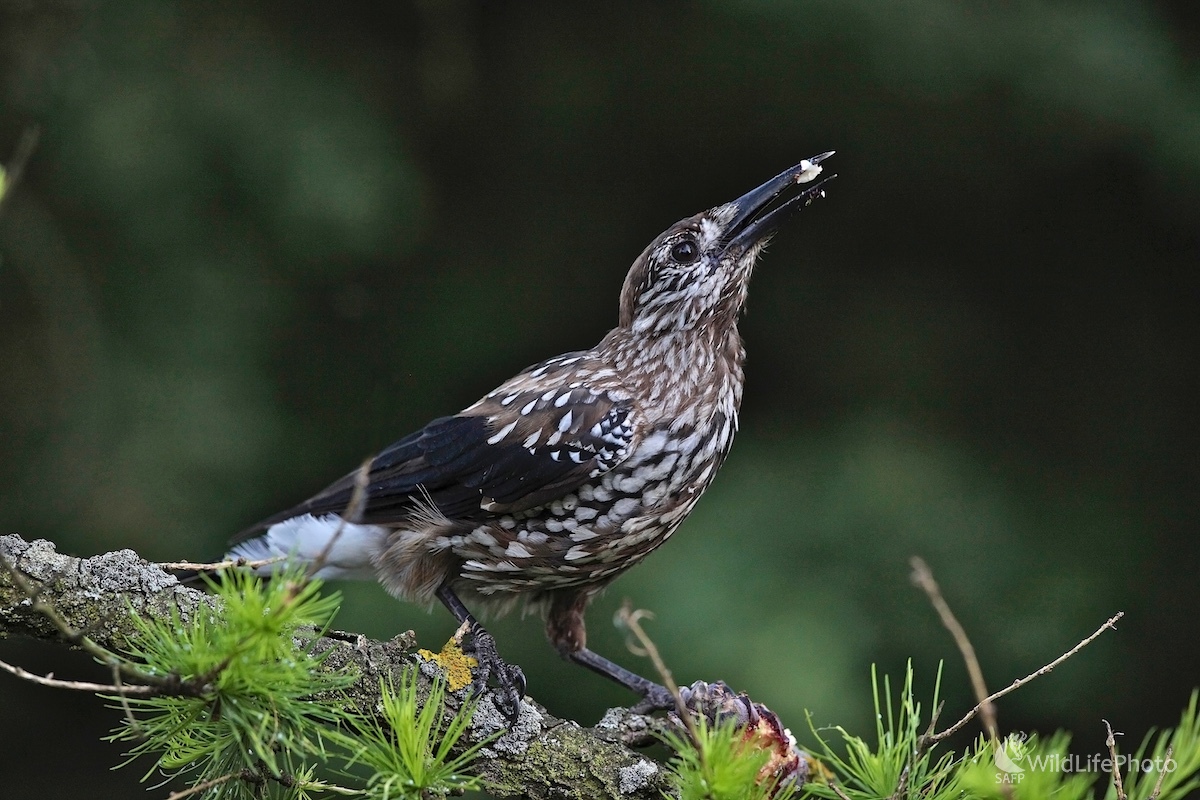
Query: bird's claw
[509, 679]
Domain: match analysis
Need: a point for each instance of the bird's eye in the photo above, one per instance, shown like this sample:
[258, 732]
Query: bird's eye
[685, 252]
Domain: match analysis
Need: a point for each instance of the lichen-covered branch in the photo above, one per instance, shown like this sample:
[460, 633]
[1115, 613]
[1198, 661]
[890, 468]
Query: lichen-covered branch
[539, 756]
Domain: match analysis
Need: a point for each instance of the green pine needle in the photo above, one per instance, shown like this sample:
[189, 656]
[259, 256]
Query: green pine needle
[411, 750]
[720, 765]
[1028, 768]
[876, 772]
[1184, 779]
[259, 714]
[255, 709]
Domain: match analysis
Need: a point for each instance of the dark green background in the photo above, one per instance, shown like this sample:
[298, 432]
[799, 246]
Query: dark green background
[260, 240]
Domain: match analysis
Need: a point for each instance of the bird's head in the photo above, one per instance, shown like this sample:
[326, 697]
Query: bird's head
[696, 272]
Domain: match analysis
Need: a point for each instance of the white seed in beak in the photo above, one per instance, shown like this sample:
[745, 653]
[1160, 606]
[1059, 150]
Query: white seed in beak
[808, 171]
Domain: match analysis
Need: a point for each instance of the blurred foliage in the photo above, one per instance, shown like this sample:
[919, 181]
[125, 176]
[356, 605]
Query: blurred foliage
[260, 240]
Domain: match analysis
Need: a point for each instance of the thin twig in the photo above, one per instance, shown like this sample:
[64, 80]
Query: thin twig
[33, 594]
[160, 684]
[1162, 773]
[16, 167]
[902, 783]
[82, 686]
[1111, 742]
[631, 618]
[352, 515]
[837, 789]
[589, 751]
[205, 786]
[923, 745]
[922, 576]
[1019, 682]
[216, 566]
[129, 717]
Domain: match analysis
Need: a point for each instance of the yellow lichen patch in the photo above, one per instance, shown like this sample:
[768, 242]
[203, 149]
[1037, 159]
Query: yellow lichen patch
[454, 662]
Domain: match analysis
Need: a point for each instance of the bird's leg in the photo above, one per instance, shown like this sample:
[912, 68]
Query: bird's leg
[510, 680]
[655, 696]
[567, 631]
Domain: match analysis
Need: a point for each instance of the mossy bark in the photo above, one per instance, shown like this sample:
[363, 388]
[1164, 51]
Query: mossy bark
[538, 756]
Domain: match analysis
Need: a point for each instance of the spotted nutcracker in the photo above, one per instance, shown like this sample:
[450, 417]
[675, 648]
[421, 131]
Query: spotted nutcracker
[570, 473]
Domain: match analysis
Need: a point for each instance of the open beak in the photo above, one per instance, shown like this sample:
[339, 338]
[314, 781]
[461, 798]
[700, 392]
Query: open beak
[752, 222]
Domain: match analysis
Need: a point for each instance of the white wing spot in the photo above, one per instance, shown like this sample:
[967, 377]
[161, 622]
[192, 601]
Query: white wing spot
[625, 506]
[500, 434]
[481, 536]
[629, 485]
[517, 550]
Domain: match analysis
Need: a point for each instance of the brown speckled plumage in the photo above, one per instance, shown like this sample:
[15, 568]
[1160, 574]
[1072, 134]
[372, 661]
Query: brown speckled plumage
[554, 483]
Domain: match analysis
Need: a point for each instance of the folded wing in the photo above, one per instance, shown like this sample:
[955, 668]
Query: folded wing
[531, 441]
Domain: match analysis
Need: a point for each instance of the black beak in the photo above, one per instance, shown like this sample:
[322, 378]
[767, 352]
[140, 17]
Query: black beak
[751, 224]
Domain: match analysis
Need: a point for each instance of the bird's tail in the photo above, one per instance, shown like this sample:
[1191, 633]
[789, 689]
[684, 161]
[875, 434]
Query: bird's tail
[331, 546]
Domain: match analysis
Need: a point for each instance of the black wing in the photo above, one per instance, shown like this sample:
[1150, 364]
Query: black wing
[527, 443]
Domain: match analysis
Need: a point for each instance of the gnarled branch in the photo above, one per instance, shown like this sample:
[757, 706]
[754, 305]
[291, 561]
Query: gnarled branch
[540, 756]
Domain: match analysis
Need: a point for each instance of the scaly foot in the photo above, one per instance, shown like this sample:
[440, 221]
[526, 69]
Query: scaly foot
[509, 679]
